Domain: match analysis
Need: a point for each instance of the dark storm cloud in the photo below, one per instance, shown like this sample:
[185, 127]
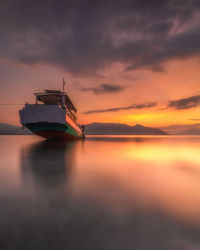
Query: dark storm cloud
[104, 88]
[84, 36]
[185, 103]
[133, 106]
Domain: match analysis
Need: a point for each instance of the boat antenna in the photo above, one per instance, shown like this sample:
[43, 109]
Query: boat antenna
[64, 85]
[63, 96]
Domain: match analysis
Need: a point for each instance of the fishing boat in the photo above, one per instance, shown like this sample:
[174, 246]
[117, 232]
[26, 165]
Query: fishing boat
[53, 116]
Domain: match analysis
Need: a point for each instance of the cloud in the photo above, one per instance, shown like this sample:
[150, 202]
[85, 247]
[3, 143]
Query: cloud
[133, 106]
[83, 37]
[180, 104]
[104, 88]
[185, 103]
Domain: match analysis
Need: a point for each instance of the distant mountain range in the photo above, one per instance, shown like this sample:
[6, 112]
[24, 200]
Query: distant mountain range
[121, 129]
[93, 129]
[191, 131]
[104, 129]
[7, 129]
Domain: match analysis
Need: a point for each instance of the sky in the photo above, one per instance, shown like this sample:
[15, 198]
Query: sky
[127, 61]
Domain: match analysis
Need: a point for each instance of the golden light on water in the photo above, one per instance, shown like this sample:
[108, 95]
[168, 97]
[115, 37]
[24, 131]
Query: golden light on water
[147, 172]
[121, 175]
[163, 153]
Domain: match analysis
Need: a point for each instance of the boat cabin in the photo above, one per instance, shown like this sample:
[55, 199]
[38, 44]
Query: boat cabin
[57, 97]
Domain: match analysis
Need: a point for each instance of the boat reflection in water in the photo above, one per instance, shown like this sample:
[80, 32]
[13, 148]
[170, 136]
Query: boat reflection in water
[47, 163]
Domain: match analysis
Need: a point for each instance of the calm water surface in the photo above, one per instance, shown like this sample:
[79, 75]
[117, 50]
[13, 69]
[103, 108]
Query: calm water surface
[104, 193]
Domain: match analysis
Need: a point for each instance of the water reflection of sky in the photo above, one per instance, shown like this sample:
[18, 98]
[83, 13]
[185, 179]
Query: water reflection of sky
[103, 193]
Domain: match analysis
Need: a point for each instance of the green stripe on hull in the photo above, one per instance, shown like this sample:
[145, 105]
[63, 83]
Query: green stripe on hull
[56, 127]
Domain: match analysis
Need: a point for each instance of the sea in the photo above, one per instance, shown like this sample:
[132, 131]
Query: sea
[103, 193]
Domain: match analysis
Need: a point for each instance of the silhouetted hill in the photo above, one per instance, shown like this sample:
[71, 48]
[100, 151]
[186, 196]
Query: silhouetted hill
[7, 129]
[93, 129]
[121, 129]
[191, 131]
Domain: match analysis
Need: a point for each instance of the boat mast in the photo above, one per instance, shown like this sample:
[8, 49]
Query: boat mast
[63, 96]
